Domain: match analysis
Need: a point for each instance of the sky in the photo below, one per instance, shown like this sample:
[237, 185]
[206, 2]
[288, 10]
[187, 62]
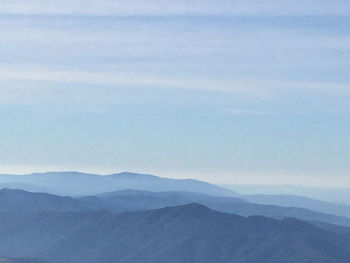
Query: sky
[224, 91]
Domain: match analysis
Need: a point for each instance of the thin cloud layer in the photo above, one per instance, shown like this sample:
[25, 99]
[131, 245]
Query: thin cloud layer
[116, 80]
[178, 7]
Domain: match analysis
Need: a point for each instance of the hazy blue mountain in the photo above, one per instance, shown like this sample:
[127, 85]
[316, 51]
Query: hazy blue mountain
[190, 233]
[75, 183]
[302, 202]
[132, 200]
[141, 200]
[334, 195]
[19, 200]
[26, 187]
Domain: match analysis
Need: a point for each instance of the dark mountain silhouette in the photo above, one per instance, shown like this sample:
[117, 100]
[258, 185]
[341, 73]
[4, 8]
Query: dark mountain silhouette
[190, 233]
[75, 183]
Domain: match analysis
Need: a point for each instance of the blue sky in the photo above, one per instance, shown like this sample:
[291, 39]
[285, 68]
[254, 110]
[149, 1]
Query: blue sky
[231, 91]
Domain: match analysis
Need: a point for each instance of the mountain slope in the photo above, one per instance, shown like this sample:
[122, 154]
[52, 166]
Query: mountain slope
[190, 233]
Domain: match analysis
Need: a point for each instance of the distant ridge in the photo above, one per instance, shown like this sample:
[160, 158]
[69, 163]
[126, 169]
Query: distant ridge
[339, 195]
[300, 201]
[77, 183]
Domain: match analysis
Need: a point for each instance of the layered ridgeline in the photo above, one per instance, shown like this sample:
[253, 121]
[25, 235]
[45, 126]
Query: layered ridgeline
[135, 200]
[75, 183]
[330, 194]
[300, 201]
[162, 220]
[190, 233]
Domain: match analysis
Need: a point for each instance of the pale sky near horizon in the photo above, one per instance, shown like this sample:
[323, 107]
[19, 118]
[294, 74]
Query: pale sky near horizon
[225, 91]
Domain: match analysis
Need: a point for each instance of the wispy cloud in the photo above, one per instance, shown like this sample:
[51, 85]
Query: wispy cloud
[21, 82]
[123, 79]
[179, 7]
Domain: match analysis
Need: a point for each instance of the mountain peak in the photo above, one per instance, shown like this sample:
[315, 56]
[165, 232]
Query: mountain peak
[194, 209]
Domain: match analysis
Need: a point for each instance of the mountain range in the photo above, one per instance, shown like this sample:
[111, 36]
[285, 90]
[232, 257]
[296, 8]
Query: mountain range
[75, 217]
[82, 184]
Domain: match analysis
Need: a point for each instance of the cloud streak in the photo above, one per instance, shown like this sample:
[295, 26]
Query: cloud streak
[24, 81]
[122, 79]
[178, 7]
